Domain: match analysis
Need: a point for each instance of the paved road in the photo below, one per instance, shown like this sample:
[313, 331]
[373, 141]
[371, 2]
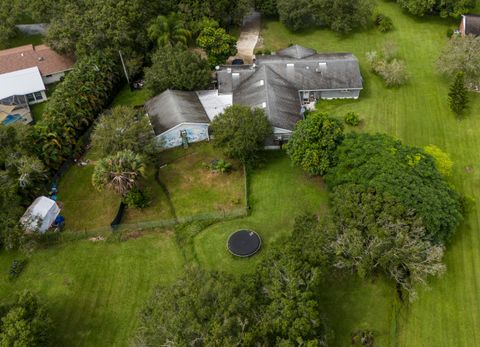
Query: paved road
[248, 38]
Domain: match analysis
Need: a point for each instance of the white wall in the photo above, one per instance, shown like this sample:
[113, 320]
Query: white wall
[53, 78]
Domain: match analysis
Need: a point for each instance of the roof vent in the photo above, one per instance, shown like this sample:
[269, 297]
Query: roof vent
[321, 67]
[41, 58]
[229, 70]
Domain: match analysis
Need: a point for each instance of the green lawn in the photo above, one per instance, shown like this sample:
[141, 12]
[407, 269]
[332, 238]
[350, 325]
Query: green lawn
[95, 289]
[278, 194]
[418, 113]
[194, 191]
[127, 97]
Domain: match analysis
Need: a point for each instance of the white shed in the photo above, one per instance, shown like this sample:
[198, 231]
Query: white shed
[40, 215]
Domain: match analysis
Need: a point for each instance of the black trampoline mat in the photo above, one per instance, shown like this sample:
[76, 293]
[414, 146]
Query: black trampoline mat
[244, 243]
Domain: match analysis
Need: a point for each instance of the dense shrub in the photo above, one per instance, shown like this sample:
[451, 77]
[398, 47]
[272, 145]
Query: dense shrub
[136, 198]
[73, 107]
[313, 143]
[407, 173]
[352, 119]
[383, 23]
[386, 65]
[220, 165]
[16, 269]
[442, 160]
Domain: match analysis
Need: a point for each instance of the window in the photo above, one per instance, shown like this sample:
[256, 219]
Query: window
[30, 97]
[38, 96]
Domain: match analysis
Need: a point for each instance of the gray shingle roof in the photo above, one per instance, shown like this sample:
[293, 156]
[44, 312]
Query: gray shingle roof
[296, 52]
[226, 82]
[472, 24]
[266, 89]
[174, 107]
[318, 71]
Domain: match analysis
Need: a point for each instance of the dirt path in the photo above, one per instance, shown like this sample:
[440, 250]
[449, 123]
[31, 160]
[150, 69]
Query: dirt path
[248, 38]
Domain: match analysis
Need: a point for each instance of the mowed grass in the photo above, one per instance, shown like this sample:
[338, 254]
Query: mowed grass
[95, 290]
[194, 188]
[278, 194]
[133, 98]
[448, 314]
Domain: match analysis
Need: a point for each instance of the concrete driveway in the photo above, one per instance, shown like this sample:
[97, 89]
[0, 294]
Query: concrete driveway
[248, 38]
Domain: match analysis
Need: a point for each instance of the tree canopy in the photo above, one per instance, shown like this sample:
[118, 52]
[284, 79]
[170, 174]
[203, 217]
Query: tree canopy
[123, 128]
[26, 323]
[314, 141]
[240, 132]
[461, 55]
[218, 44]
[119, 172]
[375, 232]
[341, 16]
[453, 8]
[169, 30]
[176, 68]
[200, 309]
[409, 174]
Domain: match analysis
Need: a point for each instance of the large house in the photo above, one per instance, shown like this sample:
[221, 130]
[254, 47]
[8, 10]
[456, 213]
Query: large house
[284, 84]
[470, 25]
[25, 71]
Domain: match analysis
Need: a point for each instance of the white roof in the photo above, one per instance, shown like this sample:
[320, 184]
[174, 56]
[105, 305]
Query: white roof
[40, 215]
[213, 103]
[21, 82]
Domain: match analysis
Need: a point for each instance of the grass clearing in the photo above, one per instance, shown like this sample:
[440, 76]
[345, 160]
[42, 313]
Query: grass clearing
[278, 194]
[133, 98]
[95, 290]
[195, 189]
[418, 114]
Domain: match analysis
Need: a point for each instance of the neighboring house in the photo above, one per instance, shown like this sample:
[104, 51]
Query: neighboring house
[22, 66]
[284, 84]
[177, 117]
[470, 25]
[27, 82]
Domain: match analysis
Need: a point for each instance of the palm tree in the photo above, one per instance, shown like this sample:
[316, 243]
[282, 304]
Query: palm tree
[118, 172]
[169, 30]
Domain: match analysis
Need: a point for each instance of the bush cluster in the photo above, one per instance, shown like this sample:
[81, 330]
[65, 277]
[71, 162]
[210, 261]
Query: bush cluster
[387, 65]
[352, 119]
[136, 198]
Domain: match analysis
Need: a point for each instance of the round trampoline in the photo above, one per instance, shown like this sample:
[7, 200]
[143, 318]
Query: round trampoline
[244, 243]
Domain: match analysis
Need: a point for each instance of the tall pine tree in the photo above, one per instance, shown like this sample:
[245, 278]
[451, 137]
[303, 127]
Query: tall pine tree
[458, 95]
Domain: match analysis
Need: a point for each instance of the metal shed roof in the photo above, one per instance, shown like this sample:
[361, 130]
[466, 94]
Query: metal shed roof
[21, 82]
